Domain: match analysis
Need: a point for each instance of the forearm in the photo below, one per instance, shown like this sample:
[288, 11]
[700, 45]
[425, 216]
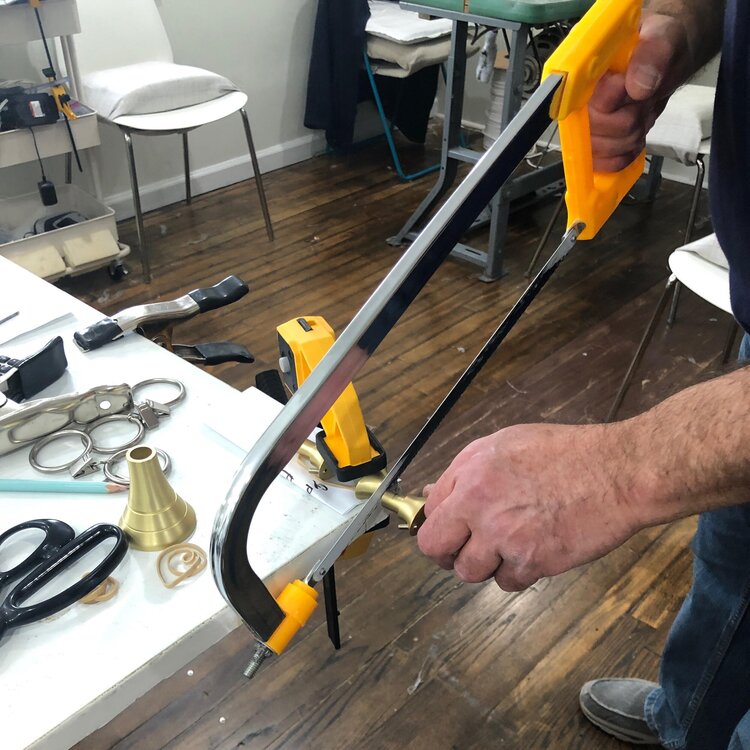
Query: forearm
[703, 22]
[689, 454]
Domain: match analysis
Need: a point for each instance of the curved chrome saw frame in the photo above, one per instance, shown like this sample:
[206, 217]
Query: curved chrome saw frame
[234, 576]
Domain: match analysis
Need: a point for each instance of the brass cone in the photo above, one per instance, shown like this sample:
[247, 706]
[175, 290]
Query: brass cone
[410, 509]
[156, 517]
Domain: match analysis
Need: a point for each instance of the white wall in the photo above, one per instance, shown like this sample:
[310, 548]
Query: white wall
[264, 47]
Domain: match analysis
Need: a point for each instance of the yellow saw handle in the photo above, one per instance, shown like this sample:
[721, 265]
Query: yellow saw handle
[604, 39]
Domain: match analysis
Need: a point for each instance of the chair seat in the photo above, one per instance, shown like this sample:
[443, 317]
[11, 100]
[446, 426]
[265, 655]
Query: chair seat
[702, 267]
[151, 87]
[185, 118]
[683, 130]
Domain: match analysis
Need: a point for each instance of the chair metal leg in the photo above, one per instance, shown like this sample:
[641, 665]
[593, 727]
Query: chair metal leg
[675, 301]
[186, 155]
[258, 177]
[547, 232]
[137, 205]
[729, 343]
[638, 356]
[388, 129]
[701, 167]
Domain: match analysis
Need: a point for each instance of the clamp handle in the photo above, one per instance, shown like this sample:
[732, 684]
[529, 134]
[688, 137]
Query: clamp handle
[604, 39]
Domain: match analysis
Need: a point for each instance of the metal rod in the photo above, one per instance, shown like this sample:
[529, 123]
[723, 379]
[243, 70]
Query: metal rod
[145, 263]
[701, 167]
[545, 237]
[639, 352]
[258, 176]
[186, 159]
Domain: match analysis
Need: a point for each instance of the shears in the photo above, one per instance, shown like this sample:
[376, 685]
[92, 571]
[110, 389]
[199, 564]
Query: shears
[59, 549]
[602, 40]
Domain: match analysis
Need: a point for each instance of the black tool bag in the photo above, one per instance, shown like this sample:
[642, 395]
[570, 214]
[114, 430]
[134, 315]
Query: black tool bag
[24, 110]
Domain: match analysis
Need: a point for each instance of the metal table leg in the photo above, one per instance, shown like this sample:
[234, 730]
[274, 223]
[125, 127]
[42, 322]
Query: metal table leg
[454, 104]
[512, 101]
[453, 153]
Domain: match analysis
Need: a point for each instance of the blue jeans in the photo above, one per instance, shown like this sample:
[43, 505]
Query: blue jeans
[703, 702]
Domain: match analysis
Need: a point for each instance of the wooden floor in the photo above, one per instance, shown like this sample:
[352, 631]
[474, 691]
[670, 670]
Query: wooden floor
[428, 662]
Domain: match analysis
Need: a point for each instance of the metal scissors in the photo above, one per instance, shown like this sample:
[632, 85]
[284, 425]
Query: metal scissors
[59, 549]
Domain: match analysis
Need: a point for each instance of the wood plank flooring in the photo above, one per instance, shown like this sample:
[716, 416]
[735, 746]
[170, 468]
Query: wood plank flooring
[429, 662]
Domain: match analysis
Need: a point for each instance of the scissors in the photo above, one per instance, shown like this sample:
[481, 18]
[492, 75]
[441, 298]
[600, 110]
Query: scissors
[59, 549]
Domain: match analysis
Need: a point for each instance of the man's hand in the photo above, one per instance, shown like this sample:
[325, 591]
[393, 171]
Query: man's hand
[624, 107]
[527, 502]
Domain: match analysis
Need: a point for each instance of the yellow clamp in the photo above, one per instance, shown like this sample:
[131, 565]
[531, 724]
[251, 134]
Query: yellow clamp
[58, 92]
[344, 423]
[604, 39]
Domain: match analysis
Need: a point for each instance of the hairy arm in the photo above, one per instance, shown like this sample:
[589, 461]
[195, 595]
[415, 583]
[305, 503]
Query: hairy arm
[694, 450]
[536, 500]
[702, 22]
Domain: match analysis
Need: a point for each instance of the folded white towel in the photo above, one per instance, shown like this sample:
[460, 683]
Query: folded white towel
[389, 21]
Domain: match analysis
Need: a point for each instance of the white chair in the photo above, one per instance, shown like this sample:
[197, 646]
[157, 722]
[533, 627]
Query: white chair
[701, 267]
[683, 133]
[123, 63]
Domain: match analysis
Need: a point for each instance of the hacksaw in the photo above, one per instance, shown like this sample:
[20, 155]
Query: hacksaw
[602, 40]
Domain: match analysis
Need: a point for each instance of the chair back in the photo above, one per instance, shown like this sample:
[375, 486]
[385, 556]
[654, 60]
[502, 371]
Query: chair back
[119, 32]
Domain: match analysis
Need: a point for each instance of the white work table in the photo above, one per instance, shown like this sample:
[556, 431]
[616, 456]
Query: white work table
[63, 677]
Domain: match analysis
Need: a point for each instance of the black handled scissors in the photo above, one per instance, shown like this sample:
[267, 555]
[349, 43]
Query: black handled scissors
[59, 549]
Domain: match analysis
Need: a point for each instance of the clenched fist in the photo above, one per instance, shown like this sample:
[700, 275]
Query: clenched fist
[527, 502]
[625, 106]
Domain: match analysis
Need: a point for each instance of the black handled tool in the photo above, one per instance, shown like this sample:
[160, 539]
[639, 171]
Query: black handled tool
[59, 549]
[23, 378]
[214, 353]
[157, 315]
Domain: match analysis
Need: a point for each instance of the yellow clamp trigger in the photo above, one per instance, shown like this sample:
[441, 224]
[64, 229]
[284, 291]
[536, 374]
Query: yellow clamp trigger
[604, 39]
[297, 601]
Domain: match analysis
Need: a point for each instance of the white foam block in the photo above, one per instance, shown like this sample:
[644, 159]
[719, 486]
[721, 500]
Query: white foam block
[96, 246]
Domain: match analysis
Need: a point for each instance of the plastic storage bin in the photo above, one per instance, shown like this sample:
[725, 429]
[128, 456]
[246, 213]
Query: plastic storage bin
[70, 250]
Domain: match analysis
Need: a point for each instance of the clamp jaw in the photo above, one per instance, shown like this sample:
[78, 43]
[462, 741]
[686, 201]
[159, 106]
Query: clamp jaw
[21, 379]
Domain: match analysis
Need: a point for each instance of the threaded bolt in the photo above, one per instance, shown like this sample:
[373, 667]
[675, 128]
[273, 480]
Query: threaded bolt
[261, 653]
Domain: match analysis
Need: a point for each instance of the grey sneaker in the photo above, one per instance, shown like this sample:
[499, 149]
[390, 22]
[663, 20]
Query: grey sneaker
[615, 705]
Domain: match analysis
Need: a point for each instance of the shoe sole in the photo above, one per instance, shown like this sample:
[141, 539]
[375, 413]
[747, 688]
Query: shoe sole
[616, 732]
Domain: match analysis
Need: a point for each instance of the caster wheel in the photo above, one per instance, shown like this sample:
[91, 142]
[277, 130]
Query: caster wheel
[118, 271]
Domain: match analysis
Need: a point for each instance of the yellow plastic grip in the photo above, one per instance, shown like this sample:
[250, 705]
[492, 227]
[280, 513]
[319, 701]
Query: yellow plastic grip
[297, 602]
[604, 39]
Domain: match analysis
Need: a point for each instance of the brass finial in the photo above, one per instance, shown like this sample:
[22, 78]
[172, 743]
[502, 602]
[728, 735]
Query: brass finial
[156, 517]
